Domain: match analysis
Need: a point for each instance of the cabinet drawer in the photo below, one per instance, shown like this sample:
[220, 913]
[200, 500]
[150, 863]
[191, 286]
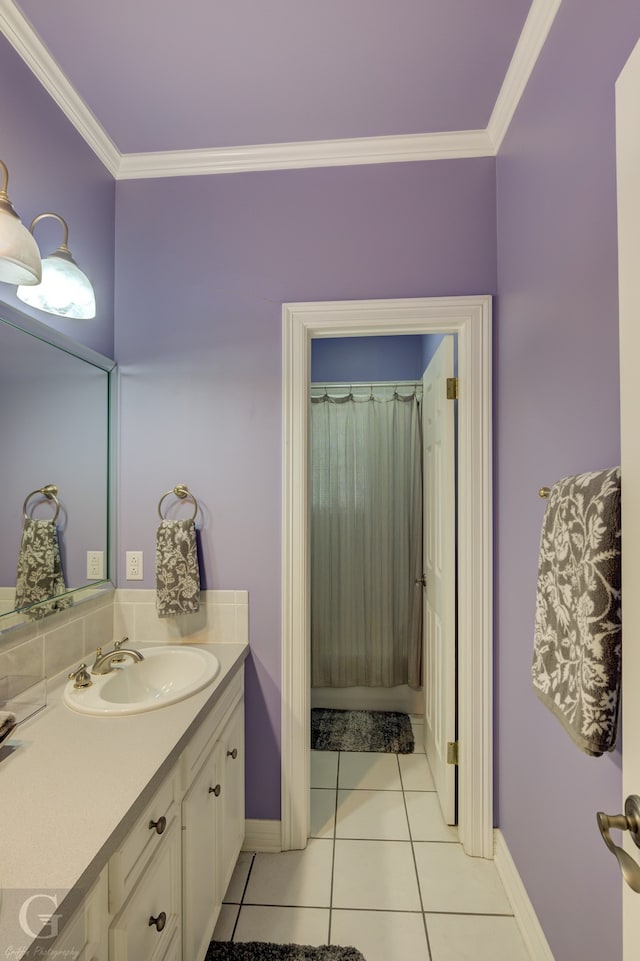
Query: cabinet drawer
[145, 928]
[145, 838]
[205, 737]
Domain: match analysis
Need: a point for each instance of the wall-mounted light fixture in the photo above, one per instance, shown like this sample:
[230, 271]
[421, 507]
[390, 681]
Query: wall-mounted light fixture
[19, 254]
[64, 290]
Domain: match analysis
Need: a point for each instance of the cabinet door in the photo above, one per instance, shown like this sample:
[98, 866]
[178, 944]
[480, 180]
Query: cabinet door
[84, 937]
[232, 741]
[201, 831]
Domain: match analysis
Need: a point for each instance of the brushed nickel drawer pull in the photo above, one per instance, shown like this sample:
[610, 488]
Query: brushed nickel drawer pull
[159, 825]
[159, 922]
[215, 790]
[233, 753]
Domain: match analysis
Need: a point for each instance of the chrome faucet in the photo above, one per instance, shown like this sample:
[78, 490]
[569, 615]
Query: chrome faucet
[103, 663]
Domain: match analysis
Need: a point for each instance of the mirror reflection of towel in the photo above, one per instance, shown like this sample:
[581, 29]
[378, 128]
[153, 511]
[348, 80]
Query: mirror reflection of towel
[177, 571]
[39, 575]
[578, 630]
[7, 724]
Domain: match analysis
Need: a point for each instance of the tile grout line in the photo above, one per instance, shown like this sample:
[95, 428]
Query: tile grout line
[244, 891]
[415, 863]
[333, 853]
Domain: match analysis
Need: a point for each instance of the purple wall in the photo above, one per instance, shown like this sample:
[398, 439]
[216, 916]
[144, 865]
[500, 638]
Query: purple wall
[203, 266]
[557, 413]
[345, 359]
[51, 168]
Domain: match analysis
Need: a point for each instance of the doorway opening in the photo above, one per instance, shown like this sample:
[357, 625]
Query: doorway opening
[470, 319]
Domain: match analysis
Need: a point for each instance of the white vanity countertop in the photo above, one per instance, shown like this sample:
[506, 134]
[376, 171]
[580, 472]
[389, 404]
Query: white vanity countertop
[70, 783]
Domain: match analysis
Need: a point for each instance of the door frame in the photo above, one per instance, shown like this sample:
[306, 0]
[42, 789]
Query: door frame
[470, 319]
[628, 207]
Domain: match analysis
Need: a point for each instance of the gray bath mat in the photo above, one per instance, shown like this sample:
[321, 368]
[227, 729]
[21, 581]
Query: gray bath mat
[266, 951]
[387, 732]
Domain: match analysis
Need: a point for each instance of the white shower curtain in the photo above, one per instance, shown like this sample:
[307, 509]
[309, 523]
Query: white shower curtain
[366, 537]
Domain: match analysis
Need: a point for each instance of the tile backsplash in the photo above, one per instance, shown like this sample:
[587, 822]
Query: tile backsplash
[60, 641]
[223, 618]
[64, 639]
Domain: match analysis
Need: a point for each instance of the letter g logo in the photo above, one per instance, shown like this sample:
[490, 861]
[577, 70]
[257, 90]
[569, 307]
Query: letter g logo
[45, 918]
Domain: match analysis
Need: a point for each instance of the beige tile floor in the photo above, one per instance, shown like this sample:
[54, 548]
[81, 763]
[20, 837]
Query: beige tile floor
[382, 871]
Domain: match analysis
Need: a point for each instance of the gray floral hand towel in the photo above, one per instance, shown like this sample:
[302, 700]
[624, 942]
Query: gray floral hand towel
[39, 569]
[177, 571]
[578, 630]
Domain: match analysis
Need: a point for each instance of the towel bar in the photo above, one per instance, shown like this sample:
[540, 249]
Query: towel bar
[183, 492]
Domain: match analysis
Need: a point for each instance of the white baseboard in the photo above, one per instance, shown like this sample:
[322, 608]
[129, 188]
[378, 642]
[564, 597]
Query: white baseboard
[262, 835]
[526, 918]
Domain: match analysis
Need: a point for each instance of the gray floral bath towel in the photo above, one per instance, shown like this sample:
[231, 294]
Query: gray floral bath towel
[39, 574]
[578, 630]
[177, 570]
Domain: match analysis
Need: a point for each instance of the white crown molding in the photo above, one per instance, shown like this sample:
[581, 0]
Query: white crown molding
[283, 156]
[525, 56]
[28, 45]
[314, 153]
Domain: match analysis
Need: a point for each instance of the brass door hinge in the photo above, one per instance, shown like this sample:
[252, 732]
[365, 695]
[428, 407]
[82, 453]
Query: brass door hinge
[452, 388]
[452, 752]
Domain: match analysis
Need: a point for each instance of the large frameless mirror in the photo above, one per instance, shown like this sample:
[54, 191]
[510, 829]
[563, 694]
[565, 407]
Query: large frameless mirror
[54, 435]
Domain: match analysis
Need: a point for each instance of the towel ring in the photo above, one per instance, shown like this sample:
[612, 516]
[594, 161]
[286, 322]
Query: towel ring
[544, 492]
[50, 491]
[181, 491]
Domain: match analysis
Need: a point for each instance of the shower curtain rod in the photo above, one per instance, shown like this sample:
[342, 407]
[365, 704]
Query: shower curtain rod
[336, 385]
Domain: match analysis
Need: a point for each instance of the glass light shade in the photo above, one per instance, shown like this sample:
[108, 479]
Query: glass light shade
[64, 290]
[19, 254]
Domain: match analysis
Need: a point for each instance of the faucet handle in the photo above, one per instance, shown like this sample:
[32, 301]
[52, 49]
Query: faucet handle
[81, 677]
[118, 644]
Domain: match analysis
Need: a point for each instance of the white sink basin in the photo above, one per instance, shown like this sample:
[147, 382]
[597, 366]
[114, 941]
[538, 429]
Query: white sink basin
[166, 675]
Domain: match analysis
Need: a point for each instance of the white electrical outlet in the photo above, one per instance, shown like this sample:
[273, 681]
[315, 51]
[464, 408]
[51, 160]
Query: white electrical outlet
[134, 566]
[95, 565]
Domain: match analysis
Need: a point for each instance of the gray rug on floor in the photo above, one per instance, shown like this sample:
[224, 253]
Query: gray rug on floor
[266, 951]
[387, 732]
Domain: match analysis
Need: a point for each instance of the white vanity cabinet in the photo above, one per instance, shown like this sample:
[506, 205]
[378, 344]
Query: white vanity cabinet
[159, 895]
[212, 818]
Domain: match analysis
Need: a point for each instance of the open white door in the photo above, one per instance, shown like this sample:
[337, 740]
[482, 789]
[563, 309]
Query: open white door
[628, 162]
[439, 532]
